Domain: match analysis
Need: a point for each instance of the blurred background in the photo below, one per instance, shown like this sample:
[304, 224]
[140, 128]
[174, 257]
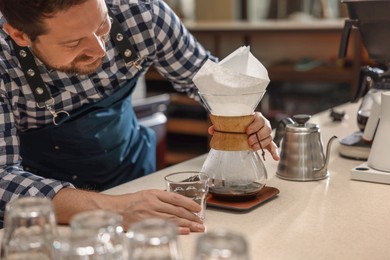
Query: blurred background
[297, 41]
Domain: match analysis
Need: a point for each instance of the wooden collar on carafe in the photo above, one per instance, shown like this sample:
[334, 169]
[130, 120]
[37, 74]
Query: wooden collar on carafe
[230, 132]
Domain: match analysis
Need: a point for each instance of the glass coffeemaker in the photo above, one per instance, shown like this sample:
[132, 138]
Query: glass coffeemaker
[231, 91]
[236, 171]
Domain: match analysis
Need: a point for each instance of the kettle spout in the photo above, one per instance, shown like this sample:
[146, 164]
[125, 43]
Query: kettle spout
[325, 166]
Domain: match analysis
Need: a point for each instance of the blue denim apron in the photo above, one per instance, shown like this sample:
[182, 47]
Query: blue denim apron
[96, 147]
[100, 146]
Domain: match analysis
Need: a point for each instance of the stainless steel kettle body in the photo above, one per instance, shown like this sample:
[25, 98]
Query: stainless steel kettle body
[301, 156]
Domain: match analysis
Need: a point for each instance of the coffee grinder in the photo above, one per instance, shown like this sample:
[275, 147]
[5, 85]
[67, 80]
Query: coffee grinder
[371, 18]
[373, 22]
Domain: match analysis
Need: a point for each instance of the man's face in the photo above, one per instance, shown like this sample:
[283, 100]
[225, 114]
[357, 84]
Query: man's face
[75, 41]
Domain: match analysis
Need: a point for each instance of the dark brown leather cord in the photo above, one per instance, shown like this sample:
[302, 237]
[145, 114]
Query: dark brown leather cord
[258, 139]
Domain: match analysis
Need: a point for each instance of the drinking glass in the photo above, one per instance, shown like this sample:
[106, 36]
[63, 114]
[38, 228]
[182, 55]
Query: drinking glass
[30, 228]
[83, 245]
[105, 230]
[152, 239]
[221, 244]
[192, 184]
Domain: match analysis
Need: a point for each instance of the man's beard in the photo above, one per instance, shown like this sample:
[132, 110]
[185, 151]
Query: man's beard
[74, 67]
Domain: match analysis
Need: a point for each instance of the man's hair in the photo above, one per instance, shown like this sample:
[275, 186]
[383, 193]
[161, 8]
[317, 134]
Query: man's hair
[28, 15]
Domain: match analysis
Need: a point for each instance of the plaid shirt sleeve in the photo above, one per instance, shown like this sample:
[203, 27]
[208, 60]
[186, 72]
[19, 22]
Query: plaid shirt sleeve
[16, 182]
[179, 55]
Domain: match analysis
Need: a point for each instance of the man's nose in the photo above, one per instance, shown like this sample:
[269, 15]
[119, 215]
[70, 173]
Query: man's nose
[96, 46]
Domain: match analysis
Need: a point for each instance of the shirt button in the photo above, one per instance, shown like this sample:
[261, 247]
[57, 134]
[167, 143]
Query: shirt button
[56, 147]
[74, 177]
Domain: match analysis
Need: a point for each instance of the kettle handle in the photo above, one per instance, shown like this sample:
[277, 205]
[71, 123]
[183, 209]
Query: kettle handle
[281, 129]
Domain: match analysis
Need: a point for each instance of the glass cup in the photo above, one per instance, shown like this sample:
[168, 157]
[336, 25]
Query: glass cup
[221, 244]
[83, 245]
[152, 239]
[192, 184]
[30, 229]
[103, 226]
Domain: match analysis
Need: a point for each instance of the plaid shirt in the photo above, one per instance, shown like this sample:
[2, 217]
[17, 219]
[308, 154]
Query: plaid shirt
[159, 38]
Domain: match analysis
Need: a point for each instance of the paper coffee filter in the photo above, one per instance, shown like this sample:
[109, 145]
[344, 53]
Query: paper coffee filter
[233, 86]
[243, 61]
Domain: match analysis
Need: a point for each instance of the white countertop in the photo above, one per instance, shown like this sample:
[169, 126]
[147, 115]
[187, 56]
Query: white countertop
[335, 218]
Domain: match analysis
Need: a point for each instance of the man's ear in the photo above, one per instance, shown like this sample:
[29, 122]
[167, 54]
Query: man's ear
[18, 36]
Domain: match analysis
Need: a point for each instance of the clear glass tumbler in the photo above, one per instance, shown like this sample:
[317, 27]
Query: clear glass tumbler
[221, 244]
[192, 184]
[30, 229]
[153, 239]
[106, 227]
[83, 245]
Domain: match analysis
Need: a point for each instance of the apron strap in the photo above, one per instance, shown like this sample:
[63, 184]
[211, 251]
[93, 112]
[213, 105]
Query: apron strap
[42, 95]
[31, 72]
[123, 43]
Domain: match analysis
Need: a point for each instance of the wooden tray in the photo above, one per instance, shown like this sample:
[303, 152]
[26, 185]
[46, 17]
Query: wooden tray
[264, 195]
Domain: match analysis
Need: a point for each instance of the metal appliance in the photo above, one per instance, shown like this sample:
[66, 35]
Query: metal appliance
[373, 22]
[371, 18]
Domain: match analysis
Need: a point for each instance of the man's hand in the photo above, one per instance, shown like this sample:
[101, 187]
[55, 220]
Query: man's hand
[259, 135]
[260, 130]
[162, 204]
[133, 207]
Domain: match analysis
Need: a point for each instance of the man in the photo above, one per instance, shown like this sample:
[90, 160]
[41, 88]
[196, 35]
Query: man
[67, 126]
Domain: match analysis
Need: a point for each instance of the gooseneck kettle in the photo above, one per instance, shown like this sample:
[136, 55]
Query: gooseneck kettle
[301, 156]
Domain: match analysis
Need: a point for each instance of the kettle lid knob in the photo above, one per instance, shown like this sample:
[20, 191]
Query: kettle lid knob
[301, 119]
